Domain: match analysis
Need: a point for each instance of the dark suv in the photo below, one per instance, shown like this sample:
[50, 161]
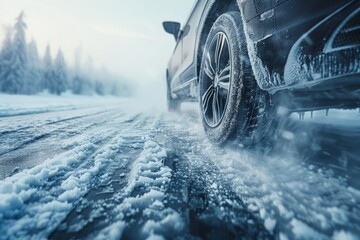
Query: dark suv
[243, 59]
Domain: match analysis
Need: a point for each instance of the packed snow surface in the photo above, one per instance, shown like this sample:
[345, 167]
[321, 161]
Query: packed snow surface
[107, 168]
[13, 105]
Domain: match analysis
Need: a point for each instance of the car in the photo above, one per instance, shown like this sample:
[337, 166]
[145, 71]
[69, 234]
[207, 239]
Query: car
[244, 60]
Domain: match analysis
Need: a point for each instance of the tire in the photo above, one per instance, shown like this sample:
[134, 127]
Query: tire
[172, 104]
[232, 105]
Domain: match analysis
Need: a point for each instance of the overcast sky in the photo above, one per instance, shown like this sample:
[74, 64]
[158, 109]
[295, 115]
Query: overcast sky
[126, 36]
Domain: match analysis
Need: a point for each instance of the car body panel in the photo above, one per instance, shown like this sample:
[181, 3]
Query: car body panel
[273, 29]
[186, 70]
[274, 38]
[190, 32]
[174, 66]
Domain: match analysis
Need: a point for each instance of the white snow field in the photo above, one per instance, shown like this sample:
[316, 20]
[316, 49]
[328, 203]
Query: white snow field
[14, 105]
[109, 168]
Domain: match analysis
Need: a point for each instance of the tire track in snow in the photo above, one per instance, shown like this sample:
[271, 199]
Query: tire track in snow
[35, 201]
[152, 204]
[38, 121]
[46, 130]
[137, 211]
[131, 189]
[211, 209]
[35, 152]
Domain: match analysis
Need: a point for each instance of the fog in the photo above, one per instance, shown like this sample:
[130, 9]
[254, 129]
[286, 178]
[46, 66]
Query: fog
[123, 38]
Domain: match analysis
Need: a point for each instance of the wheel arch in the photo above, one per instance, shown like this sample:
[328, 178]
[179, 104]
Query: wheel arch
[212, 11]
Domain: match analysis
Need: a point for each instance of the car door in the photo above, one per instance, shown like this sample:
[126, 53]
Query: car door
[177, 65]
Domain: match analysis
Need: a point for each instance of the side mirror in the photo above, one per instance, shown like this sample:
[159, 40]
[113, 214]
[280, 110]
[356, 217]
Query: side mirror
[173, 28]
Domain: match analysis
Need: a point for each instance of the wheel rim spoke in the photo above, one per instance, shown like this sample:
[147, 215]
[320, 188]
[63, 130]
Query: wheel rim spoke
[226, 69]
[206, 98]
[224, 85]
[209, 69]
[219, 49]
[216, 107]
[224, 79]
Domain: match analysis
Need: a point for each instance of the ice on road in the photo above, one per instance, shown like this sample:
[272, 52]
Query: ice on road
[111, 169]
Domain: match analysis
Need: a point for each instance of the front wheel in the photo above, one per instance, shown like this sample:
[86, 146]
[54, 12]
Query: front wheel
[232, 105]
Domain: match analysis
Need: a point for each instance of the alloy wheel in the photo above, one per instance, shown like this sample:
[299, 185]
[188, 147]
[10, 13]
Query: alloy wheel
[216, 82]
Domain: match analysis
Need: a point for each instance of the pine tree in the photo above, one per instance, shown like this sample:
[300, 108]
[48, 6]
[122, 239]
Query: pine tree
[77, 85]
[5, 61]
[78, 81]
[48, 72]
[19, 61]
[61, 79]
[99, 87]
[34, 73]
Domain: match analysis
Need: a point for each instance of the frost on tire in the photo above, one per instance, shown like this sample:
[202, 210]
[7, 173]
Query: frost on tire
[242, 115]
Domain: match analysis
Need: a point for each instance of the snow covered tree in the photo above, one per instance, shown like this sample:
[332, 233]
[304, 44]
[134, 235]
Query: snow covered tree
[19, 61]
[77, 84]
[22, 71]
[5, 61]
[34, 73]
[99, 87]
[48, 72]
[61, 83]
[14, 59]
[81, 85]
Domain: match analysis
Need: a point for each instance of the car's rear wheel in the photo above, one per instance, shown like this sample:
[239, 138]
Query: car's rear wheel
[231, 103]
[172, 104]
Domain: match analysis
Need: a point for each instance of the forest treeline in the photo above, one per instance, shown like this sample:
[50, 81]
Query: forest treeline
[24, 71]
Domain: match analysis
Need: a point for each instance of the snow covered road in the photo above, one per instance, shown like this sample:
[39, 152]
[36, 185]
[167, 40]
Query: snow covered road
[124, 171]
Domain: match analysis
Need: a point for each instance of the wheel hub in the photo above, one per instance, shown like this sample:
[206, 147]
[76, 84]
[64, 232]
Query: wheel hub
[216, 81]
